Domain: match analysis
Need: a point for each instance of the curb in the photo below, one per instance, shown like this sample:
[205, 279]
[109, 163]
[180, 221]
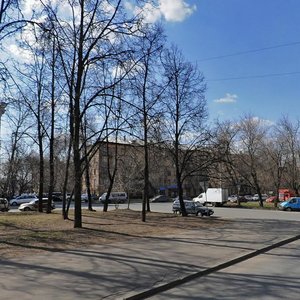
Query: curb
[175, 283]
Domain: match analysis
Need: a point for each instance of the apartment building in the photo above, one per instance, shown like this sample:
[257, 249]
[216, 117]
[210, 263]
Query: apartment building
[127, 161]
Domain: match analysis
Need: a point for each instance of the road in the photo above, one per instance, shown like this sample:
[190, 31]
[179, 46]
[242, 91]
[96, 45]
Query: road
[221, 212]
[273, 275]
[229, 212]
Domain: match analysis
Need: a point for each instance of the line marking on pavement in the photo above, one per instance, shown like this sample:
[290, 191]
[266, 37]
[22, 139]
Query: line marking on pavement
[175, 283]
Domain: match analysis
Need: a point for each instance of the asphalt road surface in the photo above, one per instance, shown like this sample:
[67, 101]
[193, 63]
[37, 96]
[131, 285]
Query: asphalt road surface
[273, 275]
[221, 212]
[228, 212]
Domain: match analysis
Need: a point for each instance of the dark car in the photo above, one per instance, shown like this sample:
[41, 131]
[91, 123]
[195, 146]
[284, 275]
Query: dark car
[192, 208]
[159, 198]
[56, 198]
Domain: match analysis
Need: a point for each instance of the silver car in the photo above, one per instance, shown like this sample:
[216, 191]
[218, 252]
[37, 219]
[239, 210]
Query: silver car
[24, 198]
[34, 205]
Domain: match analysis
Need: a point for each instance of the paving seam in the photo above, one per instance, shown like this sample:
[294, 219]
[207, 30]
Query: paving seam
[162, 288]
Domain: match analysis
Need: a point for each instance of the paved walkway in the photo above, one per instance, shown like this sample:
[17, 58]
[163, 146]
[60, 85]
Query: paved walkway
[126, 270]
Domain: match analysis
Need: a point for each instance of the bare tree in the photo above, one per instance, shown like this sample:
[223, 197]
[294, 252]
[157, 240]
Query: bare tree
[17, 120]
[290, 137]
[93, 36]
[276, 156]
[225, 134]
[11, 18]
[185, 114]
[112, 149]
[30, 84]
[53, 95]
[250, 147]
[147, 93]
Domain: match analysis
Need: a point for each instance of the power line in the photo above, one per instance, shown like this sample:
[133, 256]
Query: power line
[248, 51]
[255, 76]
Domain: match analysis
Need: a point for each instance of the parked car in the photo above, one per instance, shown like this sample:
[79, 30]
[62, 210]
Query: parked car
[256, 197]
[56, 198]
[58, 195]
[4, 204]
[233, 198]
[192, 208]
[271, 199]
[114, 197]
[248, 197]
[85, 198]
[291, 204]
[34, 205]
[24, 198]
[184, 198]
[159, 198]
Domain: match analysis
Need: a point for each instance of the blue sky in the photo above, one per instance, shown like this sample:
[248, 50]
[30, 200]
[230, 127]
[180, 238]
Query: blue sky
[266, 33]
[215, 28]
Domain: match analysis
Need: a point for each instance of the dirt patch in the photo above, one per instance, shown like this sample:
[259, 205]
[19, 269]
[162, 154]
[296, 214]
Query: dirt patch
[23, 234]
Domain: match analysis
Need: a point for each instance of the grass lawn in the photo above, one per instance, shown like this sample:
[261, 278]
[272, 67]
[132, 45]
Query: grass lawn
[26, 233]
[253, 204]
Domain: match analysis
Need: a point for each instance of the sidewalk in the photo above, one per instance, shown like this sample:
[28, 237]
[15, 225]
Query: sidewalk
[122, 270]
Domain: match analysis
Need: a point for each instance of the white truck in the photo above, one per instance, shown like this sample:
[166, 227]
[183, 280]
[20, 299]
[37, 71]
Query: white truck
[213, 196]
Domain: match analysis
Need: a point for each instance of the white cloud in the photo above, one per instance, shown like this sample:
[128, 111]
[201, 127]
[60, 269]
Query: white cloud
[175, 10]
[149, 12]
[229, 98]
[170, 10]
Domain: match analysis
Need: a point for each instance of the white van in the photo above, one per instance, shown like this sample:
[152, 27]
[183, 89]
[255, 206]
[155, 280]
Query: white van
[114, 197]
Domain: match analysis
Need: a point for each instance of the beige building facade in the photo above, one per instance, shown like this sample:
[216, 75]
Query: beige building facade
[127, 159]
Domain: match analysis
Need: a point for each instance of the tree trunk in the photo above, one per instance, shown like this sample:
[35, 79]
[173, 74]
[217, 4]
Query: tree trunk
[112, 175]
[51, 142]
[64, 202]
[41, 172]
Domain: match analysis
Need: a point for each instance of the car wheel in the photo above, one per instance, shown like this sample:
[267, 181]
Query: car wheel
[26, 209]
[14, 203]
[288, 209]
